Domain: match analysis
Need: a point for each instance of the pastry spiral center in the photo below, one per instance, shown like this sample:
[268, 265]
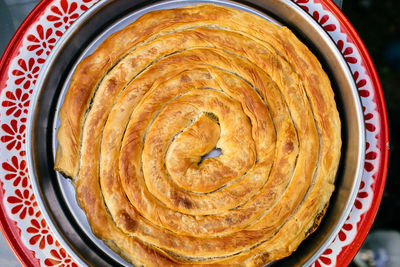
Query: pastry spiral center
[190, 171]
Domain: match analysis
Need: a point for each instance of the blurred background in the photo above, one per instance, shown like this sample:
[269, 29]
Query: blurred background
[378, 24]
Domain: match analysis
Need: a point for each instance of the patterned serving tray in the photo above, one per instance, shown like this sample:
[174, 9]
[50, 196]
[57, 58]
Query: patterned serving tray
[21, 219]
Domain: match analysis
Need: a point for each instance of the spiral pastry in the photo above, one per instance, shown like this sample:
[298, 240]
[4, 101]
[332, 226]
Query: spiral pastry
[154, 98]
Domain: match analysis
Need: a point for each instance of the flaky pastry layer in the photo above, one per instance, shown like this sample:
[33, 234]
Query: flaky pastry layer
[154, 98]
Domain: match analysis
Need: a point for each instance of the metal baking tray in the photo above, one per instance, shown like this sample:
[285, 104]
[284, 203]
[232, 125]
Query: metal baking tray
[56, 195]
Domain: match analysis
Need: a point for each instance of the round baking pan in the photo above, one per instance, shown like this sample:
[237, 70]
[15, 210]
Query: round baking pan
[56, 194]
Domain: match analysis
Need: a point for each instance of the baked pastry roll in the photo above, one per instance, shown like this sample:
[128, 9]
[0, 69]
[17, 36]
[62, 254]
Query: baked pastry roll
[144, 109]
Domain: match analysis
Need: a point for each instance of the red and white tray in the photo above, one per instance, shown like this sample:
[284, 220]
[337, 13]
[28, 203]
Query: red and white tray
[21, 219]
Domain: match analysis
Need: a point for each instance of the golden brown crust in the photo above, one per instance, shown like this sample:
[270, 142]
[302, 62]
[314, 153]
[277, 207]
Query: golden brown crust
[186, 81]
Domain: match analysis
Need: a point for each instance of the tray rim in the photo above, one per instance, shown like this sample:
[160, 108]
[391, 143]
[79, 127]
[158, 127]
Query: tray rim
[87, 50]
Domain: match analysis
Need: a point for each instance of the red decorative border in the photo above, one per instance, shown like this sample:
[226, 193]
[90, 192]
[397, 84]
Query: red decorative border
[349, 252]
[8, 227]
[12, 49]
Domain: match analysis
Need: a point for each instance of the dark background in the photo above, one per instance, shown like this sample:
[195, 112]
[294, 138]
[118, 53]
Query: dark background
[378, 24]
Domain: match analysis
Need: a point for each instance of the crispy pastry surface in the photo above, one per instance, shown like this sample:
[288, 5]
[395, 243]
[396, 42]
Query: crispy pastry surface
[155, 97]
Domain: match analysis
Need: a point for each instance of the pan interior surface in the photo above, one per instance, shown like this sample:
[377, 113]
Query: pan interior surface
[56, 195]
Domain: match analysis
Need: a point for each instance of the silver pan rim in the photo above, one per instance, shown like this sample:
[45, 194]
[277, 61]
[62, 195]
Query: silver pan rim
[46, 69]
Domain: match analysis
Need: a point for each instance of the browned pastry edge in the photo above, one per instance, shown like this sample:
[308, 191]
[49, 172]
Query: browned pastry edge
[93, 68]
